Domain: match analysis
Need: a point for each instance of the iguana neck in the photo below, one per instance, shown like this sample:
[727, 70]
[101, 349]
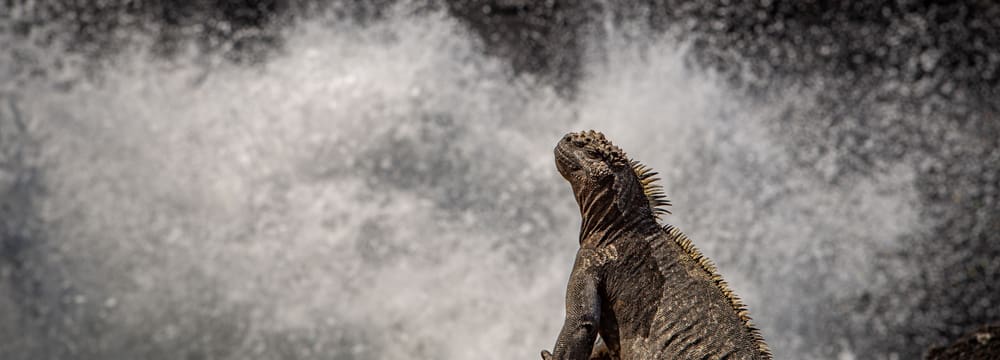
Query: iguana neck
[608, 212]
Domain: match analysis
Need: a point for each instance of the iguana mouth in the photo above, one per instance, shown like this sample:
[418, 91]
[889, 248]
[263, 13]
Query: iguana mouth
[567, 160]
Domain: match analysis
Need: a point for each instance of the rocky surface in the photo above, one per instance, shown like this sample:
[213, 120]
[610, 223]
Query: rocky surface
[982, 344]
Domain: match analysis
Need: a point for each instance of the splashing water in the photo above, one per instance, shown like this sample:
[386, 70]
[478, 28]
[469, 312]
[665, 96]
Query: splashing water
[387, 191]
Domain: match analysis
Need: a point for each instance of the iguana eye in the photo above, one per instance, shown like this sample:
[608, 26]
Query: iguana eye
[593, 153]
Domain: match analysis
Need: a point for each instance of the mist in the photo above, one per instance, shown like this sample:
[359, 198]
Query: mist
[385, 189]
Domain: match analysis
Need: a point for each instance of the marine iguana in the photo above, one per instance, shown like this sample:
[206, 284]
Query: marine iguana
[644, 288]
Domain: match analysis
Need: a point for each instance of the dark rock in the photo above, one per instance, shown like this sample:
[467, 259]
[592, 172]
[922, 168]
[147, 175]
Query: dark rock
[982, 344]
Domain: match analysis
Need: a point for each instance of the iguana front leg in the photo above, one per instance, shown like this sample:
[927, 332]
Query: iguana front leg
[583, 312]
[600, 352]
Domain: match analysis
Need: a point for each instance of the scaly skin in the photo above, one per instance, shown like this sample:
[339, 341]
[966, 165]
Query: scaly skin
[641, 286]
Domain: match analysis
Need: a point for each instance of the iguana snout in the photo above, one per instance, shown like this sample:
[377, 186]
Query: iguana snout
[587, 156]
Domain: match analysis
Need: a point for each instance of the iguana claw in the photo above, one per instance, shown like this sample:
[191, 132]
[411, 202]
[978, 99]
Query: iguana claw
[546, 355]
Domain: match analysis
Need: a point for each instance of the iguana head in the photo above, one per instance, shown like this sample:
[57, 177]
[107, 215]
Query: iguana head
[610, 188]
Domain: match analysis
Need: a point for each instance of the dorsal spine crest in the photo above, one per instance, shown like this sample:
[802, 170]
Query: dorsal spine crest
[741, 309]
[657, 199]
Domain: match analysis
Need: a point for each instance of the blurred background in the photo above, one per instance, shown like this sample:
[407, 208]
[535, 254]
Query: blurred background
[235, 179]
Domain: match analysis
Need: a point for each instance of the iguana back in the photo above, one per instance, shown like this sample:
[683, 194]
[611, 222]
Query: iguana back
[643, 287]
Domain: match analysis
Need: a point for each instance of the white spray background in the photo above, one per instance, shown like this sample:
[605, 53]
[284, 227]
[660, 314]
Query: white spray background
[388, 192]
